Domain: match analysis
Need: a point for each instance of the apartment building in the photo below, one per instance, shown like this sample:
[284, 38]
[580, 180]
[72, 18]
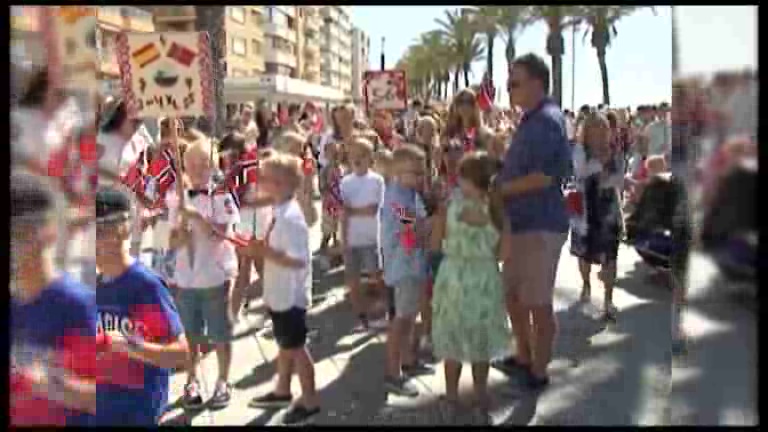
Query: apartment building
[243, 26]
[361, 49]
[113, 20]
[336, 51]
[309, 43]
[281, 42]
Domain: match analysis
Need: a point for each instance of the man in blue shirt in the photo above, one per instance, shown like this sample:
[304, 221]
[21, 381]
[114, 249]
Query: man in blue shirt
[537, 163]
[141, 336]
[53, 319]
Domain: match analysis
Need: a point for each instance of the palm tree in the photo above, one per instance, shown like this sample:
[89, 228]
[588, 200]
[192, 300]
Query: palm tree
[558, 18]
[602, 25]
[512, 20]
[485, 19]
[439, 59]
[461, 36]
[211, 19]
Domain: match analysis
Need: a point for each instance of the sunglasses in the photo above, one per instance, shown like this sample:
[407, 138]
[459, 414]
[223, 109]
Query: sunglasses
[465, 102]
[514, 84]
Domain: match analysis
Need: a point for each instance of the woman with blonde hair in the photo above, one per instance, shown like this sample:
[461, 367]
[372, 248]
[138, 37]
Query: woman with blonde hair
[595, 241]
[465, 122]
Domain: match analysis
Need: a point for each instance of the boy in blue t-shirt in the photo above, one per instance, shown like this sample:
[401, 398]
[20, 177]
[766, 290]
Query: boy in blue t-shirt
[142, 339]
[53, 319]
[403, 229]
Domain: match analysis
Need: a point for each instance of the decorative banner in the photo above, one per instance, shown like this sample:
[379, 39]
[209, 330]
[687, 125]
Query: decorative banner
[385, 90]
[70, 37]
[166, 74]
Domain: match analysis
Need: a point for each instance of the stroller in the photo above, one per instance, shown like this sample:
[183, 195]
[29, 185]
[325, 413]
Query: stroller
[729, 227]
[658, 226]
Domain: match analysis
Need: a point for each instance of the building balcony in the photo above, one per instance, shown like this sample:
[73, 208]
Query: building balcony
[126, 18]
[313, 23]
[174, 14]
[109, 65]
[312, 50]
[288, 10]
[277, 30]
[280, 57]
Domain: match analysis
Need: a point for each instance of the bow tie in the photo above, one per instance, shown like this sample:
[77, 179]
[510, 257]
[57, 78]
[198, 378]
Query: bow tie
[195, 192]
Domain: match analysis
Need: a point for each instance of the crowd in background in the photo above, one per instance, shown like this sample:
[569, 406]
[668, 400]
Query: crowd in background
[420, 207]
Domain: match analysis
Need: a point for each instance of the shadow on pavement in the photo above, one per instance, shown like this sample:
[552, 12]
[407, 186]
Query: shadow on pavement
[623, 376]
[715, 383]
[642, 281]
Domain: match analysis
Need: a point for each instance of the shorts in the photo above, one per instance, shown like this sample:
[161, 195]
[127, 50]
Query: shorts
[391, 301]
[531, 268]
[330, 223]
[408, 298]
[359, 260]
[205, 314]
[247, 223]
[289, 327]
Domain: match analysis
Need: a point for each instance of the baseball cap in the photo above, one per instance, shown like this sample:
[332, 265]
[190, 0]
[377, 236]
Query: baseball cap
[112, 205]
[30, 195]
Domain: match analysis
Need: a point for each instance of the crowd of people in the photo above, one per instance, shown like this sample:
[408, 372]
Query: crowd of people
[420, 207]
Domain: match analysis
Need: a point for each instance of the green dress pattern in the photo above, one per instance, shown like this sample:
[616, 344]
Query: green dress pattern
[469, 319]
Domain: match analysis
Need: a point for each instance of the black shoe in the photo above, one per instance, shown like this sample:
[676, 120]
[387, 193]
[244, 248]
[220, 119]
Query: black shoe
[510, 366]
[535, 383]
[401, 387]
[221, 396]
[271, 400]
[192, 400]
[418, 369]
[299, 413]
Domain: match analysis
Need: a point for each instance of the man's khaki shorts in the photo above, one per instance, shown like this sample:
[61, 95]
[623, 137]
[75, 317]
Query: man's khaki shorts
[530, 267]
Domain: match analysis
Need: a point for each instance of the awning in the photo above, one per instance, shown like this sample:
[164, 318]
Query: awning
[276, 88]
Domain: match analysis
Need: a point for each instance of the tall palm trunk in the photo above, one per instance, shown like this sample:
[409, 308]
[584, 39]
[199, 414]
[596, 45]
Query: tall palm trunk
[555, 47]
[491, 38]
[211, 19]
[466, 75]
[604, 75]
[510, 52]
[456, 79]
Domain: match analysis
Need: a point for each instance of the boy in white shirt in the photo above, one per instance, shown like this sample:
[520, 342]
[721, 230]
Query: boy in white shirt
[286, 254]
[362, 191]
[206, 266]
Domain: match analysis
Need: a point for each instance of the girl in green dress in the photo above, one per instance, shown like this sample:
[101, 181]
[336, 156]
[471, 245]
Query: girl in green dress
[469, 321]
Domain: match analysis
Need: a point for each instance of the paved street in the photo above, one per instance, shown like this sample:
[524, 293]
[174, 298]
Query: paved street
[621, 374]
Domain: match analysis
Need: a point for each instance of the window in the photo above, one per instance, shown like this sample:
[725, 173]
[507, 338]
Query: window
[289, 22]
[237, 13]
[238, 46]
[256, 18]
[255, 47]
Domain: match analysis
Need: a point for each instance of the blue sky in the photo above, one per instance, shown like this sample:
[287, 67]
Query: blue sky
[716, 37]
[639, 59]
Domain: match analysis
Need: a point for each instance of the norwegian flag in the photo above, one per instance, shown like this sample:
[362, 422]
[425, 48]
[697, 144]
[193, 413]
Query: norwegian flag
[408, 234]
[75, 166]
[134, 178]
[487, 93]
[243, 172]
[162, 174]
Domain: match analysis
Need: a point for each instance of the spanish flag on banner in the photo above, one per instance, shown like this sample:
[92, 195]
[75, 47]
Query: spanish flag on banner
[146, 55]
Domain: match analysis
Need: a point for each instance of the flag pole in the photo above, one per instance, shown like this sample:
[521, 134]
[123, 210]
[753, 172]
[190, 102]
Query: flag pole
[382, 52]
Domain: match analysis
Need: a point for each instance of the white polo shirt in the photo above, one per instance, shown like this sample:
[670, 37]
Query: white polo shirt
[362, 191]
[284, 287]
[215, 260]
